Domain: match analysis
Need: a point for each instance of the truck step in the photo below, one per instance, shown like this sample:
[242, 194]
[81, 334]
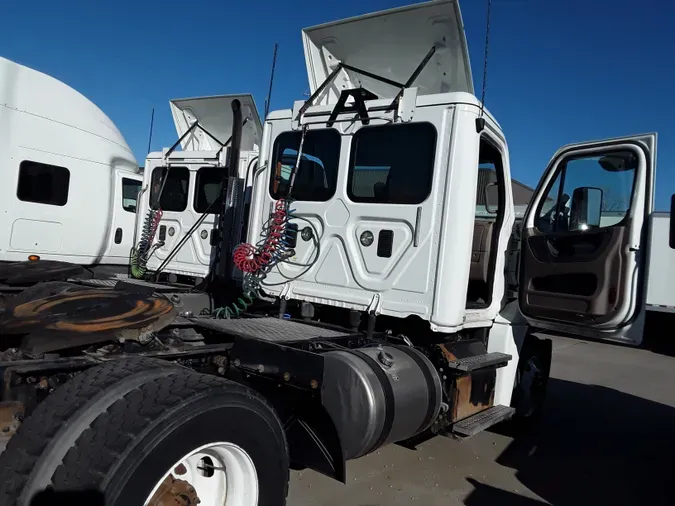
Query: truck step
[474, 424]
[469, 364]
[267, 329]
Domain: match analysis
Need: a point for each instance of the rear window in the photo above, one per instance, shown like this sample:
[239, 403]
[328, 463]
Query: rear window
[174, 191]
[316, 178]
[209, 188]
[392, 164]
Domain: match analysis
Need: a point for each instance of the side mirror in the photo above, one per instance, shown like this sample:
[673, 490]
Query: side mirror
[491, 194]
[586, 208]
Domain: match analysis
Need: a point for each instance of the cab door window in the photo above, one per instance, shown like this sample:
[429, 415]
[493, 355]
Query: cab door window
[130, 189]
[589, 192]
[489, 217]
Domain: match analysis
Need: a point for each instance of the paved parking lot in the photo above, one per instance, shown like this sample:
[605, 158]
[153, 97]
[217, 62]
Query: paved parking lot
[606, 439]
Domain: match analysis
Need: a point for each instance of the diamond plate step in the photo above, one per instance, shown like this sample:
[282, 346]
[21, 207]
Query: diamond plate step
[474, 424]
[112, 283]
[480, 362]
[267, 329]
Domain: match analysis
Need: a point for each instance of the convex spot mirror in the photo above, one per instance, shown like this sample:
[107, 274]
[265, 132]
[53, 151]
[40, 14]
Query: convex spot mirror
[586, 208]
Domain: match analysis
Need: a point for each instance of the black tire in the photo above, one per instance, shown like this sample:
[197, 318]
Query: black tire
[530, 404]
[122, 435]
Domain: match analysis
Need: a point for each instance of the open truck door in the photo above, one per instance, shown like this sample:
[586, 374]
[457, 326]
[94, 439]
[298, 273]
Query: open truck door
[583, 258]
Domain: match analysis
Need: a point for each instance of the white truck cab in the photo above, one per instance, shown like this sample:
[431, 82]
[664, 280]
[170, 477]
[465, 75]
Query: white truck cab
[69, 178]
[190, 181]
[392, 192]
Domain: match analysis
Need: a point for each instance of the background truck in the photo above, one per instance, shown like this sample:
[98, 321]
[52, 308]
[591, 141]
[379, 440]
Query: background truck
[364, 311]
[70, 180]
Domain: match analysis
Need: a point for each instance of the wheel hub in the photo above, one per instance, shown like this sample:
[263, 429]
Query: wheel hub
[217, 474]
[174, 492]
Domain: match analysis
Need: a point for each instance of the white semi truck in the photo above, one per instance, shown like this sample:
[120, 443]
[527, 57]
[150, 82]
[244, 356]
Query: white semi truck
[369, 305]
[69, 178]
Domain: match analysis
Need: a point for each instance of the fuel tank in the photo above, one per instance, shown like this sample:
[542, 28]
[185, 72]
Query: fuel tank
[378, 395]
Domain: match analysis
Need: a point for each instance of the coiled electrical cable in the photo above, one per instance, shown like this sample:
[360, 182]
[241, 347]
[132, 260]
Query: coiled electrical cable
[141, 253]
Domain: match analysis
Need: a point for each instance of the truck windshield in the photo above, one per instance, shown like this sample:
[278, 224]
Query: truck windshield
[316, 178]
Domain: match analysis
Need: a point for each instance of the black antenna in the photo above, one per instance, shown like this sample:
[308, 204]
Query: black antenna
[480, 121]
[269, 93]
[152, 123]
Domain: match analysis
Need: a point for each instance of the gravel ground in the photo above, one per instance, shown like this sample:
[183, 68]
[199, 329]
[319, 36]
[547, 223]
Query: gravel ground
[605, 439]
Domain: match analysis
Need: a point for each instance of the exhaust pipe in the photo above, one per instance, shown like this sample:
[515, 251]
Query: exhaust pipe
[230, 216]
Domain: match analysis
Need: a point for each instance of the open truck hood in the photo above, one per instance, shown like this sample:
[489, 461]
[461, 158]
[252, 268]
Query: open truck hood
[391, 44]
[215, 115]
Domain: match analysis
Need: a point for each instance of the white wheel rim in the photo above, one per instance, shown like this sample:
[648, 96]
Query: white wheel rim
[221, 474]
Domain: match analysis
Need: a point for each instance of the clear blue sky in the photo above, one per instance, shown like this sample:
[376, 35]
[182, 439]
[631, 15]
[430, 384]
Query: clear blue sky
[559, 71]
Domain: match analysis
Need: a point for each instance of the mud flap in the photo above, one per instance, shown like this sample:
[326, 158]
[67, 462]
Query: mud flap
[314, 443]
[533, 400]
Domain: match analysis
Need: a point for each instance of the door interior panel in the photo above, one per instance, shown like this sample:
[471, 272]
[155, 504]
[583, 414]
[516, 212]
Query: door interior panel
[574, 277]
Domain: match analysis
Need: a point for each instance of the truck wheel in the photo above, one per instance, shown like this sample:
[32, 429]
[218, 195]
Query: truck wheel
[160, 435]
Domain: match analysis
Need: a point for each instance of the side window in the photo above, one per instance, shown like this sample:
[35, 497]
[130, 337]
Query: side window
[392, 164]
[43, 184]
[209, 188]
[316, 178]
[172, 184]
[589, 192]
[130, 189]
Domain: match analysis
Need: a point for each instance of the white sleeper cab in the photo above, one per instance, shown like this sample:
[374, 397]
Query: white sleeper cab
[70, 179]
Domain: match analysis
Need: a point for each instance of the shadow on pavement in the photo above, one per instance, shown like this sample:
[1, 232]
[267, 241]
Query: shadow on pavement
[78, 498]
[657, 334]
[594, 446]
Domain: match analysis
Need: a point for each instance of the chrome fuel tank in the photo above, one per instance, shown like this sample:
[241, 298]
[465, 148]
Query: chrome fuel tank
[378, 395]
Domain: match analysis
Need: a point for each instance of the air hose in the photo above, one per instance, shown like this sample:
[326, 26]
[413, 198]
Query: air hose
[256, 261]
[235, 309]
[141, 253]
[252, 259]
